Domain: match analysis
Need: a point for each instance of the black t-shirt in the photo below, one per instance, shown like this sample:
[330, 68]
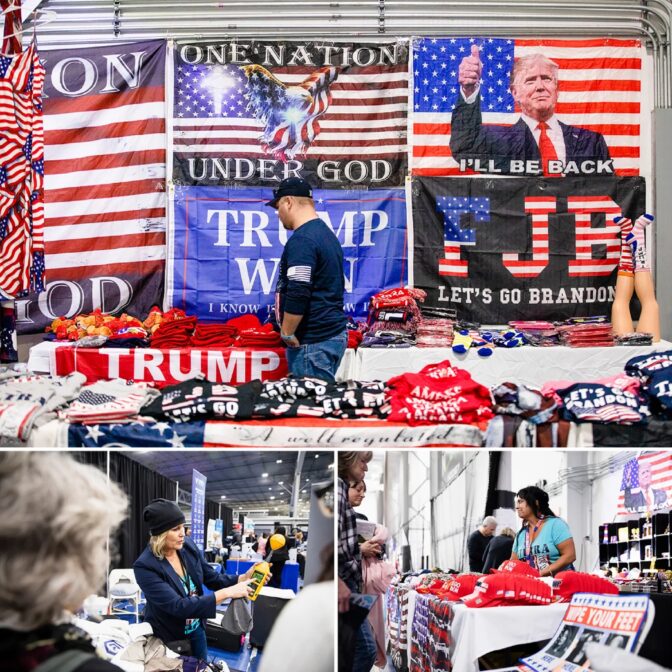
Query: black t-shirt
[476, 546]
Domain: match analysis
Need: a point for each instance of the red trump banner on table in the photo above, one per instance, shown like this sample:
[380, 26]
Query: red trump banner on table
[479, 103]
[520, 248]
[104, 186]
[255, 112]
[167, 367]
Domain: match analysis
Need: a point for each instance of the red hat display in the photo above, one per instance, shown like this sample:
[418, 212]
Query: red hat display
[580, 582]
[461, 586]
[506, 588]
[517, 567]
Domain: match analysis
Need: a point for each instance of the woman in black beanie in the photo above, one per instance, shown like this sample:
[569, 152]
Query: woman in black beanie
[171, 572]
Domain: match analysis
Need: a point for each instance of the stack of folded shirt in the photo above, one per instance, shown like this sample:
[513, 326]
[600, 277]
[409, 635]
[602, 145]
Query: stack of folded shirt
[174, 333]
[439, 393]
[262, 336]
[311, 397]
[592, 402]
[636, 338]
[591, 335]
[108, 401]
[538, 333]
[214, 335]
[393, 318]
[531, 404]
[434, 332]
[356, 329]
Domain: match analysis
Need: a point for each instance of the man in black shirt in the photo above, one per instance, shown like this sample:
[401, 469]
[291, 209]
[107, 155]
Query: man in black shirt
[478, 541]
[309, 293]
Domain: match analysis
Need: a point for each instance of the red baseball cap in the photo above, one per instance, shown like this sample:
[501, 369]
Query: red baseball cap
[579, 582]
[461, 586]
[505, 588]
[516, 567]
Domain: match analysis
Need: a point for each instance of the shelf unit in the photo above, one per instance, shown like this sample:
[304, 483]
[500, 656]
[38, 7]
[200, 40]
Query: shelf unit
[632, 553]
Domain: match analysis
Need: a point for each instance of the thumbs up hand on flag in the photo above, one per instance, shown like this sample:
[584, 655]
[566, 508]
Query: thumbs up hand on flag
[469, 73]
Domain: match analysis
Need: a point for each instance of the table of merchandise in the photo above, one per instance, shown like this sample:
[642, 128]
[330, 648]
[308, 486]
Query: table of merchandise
[456, 636]
[166, 366]
[525, 365]
[290, 572]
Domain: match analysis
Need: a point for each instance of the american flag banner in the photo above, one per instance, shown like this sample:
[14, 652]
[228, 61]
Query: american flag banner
[21, 171]
[255, 113]
[598, 101]
[646, 484]
[519, 248]
[104, 190]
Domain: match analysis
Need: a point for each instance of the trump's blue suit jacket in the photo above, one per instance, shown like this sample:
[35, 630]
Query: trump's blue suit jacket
[470, 139]
[168, 607]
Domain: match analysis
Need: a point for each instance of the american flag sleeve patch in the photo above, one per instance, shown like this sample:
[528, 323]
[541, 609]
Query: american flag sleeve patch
[299, 273]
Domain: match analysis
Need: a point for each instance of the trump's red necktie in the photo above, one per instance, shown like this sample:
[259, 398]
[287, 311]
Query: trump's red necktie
[547, 150]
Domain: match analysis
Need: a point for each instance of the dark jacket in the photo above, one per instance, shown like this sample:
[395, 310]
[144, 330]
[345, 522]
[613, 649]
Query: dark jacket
[498, 550]
[168, 607]
[471, 139]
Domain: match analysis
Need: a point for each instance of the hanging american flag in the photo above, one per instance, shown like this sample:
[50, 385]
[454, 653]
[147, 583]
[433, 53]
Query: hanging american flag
[599, 84]
[104, 122]
[254, 113]
[646, 484]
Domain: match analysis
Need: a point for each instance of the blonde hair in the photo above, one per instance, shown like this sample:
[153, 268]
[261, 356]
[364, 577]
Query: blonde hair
[521, 64]
[347, 459]
[157, 544]
[57, 518]
[508, 532]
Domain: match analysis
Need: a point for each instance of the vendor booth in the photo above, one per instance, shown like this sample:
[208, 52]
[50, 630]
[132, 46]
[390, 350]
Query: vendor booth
[441, 612]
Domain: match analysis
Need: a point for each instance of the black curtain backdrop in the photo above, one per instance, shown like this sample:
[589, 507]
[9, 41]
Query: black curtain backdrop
[142, 485]
[491, 502]
[227, 518]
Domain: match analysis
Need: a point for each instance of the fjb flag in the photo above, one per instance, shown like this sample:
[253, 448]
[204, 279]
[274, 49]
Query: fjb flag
[646, 483]
[105, 156]
[598, 101]
[256, 113]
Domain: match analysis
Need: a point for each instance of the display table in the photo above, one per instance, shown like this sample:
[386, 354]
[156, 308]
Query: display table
[524, 365]
[290, 572]
[450, 636]
[167, 366]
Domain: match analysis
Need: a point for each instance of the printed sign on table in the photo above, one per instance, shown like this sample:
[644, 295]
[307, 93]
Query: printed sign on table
[168, 367]
[256, 112]
[104, 185]
[198, 482]
[611, 620]
[478, 103]
[521, 248]
[226, 246]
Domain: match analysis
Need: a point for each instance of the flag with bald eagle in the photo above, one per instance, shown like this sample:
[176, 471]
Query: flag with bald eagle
[255, 113]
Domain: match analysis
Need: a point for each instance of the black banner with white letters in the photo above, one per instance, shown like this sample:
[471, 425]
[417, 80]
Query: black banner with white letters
[510, 248]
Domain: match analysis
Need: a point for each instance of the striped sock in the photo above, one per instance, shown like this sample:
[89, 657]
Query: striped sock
[637, 240]
[625, 265]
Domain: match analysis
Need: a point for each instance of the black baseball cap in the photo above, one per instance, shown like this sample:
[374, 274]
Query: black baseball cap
[292, 186]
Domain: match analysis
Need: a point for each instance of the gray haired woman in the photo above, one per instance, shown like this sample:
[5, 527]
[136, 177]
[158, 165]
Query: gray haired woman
[57, 515]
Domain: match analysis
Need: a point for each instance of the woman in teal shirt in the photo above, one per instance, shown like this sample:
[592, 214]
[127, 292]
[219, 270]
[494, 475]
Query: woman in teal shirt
[545, 541]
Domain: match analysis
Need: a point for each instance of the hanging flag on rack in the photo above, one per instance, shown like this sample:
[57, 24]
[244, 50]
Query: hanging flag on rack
[21, 161]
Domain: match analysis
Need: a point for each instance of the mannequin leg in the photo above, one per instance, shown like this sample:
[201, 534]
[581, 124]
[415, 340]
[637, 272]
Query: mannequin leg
[649, 319]
[621, 321]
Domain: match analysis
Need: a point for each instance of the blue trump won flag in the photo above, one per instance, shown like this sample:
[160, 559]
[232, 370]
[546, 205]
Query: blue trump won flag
[226, 244]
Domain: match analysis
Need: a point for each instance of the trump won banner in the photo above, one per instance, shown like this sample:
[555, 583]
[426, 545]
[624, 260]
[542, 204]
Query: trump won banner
[558, 108]
[255, 112]
[225, 248]
[520, 249]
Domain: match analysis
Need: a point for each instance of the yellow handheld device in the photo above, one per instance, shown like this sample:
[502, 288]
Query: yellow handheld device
[261, 571]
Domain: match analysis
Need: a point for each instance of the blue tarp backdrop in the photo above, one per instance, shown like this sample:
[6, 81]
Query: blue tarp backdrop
[226, 246]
